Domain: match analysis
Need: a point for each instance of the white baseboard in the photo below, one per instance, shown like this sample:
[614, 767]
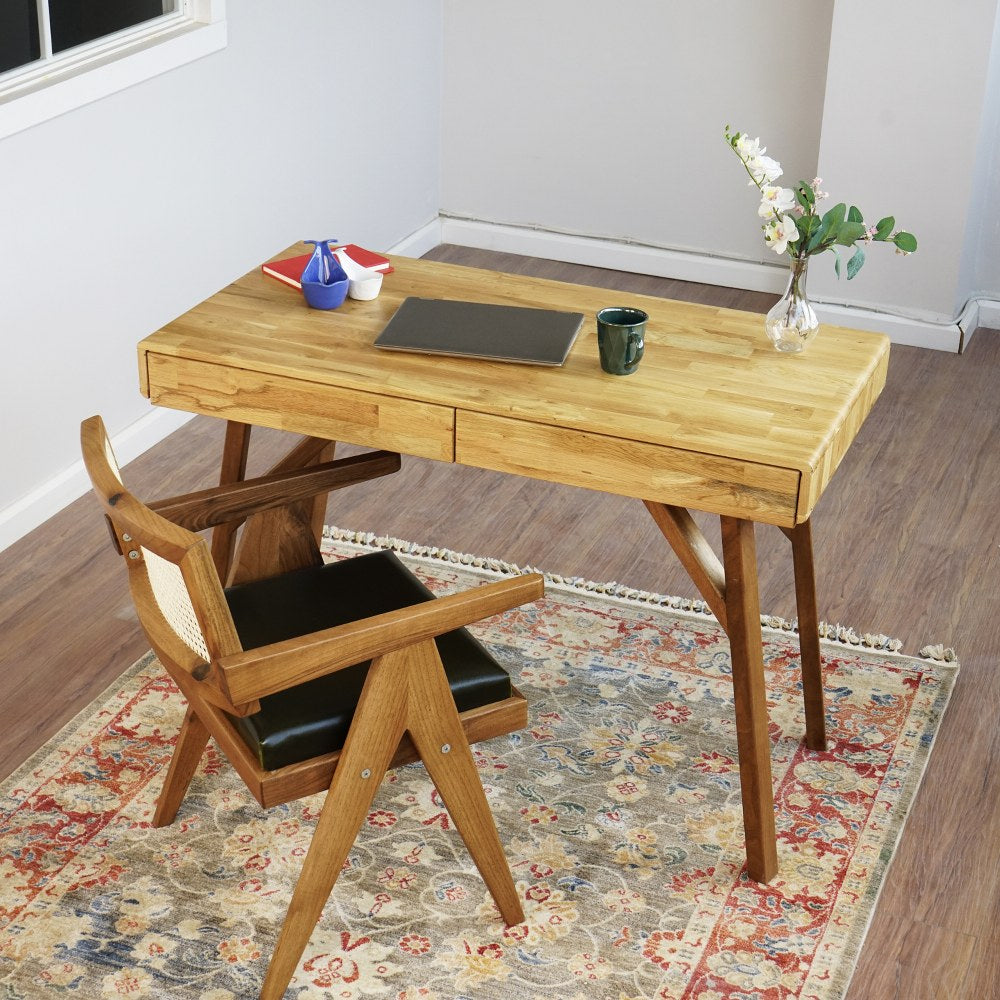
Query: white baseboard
[615, 256]
[686, 266]
[899, 329]
[426, 238]
[979, 311]
[987, 314]
[46, 500]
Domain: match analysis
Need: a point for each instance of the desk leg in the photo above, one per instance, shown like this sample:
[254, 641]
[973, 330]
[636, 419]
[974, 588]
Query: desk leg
[285, 538]
[730, 590]
[812, 663]
[234, 468]
[739, 558]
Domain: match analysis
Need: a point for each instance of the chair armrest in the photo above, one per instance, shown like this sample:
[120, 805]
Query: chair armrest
[237, 501]
[258, 672]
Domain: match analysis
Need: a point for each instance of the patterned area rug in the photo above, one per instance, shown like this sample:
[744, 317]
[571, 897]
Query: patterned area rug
[619, 806]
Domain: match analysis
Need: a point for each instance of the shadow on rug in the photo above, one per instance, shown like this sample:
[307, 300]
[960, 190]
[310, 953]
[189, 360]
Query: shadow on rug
[619, 807]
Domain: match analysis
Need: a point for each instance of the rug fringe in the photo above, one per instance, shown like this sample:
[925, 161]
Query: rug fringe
[836, 633]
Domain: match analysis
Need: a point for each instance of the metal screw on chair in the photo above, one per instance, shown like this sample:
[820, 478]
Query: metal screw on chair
[126, 537]
[366, 773]
[133, 554]
[446, 748]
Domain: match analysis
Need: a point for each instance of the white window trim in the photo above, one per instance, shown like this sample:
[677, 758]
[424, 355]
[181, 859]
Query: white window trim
[41, 92]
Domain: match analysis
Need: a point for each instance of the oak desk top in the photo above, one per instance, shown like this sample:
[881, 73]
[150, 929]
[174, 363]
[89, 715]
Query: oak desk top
[714, 418]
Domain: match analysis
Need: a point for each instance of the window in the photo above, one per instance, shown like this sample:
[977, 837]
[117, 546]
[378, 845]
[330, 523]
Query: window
[56, 55]
[31, 29]
[18, 34]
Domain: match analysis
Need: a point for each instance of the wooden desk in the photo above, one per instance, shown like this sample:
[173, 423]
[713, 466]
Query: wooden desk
[714, 419]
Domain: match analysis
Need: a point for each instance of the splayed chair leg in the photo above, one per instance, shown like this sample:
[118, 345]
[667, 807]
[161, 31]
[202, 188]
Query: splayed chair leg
[191, 743]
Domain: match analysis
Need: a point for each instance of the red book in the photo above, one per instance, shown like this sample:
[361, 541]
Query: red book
[290, 270]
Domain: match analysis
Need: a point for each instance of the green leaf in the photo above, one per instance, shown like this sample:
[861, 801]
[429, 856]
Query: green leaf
[802, 199]
[849, 233]
[854, 215]
[855, 263]
[884, 227]
[806, 224]
[906, 242]
[808, 196]
[819, 235]
[836, 263]
[835, 216]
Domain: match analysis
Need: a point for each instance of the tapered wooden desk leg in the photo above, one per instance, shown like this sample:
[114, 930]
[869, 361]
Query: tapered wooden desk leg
[234, 468]
[812, 663]
[739, 558]
[285, 538]
[320, 501]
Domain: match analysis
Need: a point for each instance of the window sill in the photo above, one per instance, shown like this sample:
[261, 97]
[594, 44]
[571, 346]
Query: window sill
[70, 88]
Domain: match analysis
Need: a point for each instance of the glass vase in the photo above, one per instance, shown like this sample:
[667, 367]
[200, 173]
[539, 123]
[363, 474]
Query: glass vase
[791, 323]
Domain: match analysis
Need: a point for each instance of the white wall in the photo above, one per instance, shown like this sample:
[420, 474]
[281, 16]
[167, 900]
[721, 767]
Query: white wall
[980, 271]
[606, 119]
[582, 117]
[119, 216]
[566, 116]
[901, 127]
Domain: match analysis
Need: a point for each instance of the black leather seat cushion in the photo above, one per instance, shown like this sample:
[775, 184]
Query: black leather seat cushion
[313, 718]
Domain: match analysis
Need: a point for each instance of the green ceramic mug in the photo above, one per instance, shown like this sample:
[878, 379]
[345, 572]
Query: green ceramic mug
[621, 332]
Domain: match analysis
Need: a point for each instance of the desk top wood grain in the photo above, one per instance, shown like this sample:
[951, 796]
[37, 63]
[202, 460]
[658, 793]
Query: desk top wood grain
[709, 385]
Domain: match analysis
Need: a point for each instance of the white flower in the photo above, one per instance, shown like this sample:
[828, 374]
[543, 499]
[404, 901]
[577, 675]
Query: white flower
[749, 149]
[763, 169]
[775, 200]
[780, 233]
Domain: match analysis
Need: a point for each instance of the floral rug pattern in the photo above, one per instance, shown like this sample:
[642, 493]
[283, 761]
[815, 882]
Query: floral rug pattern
[619, 807]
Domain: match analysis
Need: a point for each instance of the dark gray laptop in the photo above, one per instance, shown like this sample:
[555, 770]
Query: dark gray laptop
[481, 330]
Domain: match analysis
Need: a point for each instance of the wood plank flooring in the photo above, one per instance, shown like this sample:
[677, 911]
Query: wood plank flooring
[906, 543]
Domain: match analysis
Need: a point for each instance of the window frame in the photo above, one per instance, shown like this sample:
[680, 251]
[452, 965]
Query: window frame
[51, 86]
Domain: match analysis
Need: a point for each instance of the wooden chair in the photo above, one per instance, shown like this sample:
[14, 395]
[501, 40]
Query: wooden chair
[323, 677]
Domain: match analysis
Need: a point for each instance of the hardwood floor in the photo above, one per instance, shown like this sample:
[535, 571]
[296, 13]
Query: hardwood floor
[906, 543]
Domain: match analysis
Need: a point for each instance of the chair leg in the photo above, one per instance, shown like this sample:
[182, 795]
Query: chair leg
[437, 733]
[191, 743]
[379, 723]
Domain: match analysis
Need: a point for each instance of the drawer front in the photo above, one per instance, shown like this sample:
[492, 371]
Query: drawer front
[629, 468]
[265, 400]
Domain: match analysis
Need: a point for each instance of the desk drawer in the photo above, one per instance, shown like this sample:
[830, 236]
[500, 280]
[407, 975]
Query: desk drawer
[291, 404]
[628, 468]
